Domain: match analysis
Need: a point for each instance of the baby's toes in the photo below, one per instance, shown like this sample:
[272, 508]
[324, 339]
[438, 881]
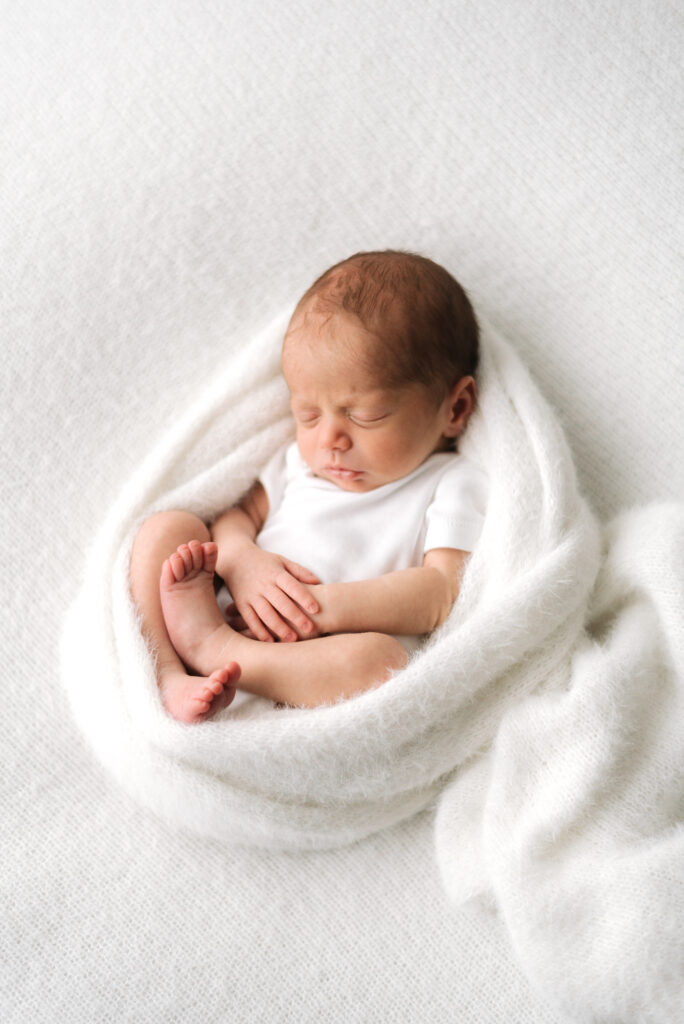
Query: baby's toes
[177, 564]
[209, 556]
[168, 577]
[184, 553]
[230, 674]
[213, 688]
[196, 556]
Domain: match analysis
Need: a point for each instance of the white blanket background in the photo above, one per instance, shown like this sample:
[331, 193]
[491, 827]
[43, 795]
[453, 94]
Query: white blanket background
[172, 177]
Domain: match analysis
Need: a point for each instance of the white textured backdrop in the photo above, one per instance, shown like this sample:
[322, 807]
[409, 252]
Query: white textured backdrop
[171, 176]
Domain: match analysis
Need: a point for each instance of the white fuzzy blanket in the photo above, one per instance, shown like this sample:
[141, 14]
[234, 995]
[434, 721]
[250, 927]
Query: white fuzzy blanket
[546, 714]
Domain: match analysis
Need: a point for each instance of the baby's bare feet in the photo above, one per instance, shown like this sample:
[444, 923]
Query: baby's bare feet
[194, 623]
[195, 698]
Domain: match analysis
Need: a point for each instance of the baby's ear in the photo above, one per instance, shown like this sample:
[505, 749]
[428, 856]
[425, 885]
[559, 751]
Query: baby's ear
[461, 402]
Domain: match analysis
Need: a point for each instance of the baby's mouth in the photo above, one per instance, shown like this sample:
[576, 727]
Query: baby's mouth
[342, 473]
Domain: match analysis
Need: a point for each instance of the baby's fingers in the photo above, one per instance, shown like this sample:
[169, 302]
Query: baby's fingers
[298, 593]
[292, 612]
[269, 617]
[299, 572]
[255, 625]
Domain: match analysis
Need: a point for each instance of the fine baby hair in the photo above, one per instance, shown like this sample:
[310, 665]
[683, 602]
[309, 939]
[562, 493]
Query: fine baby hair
[418, 312]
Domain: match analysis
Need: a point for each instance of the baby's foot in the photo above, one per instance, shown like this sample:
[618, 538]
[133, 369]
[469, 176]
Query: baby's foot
[195, 698]
[194, 623]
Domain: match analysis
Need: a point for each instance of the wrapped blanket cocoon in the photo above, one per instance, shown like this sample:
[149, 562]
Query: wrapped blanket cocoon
[546, 712]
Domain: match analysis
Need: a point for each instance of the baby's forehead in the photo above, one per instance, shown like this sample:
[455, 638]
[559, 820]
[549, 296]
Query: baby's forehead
[319, 328]
[322, 330]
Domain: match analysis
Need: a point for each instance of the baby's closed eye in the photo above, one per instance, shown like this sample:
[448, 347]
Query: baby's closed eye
[366, 419]
[307, 417]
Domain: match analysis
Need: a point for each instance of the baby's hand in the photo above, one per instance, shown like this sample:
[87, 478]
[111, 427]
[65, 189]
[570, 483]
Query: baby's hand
[236, 622]
[269, 596]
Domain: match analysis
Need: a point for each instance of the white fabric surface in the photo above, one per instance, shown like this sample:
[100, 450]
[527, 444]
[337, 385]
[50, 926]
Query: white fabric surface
[581, 843]
[173, 175]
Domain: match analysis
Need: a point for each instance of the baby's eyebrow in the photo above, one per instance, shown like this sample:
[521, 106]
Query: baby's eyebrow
[374, 399]
[369, 399]
[301, 402]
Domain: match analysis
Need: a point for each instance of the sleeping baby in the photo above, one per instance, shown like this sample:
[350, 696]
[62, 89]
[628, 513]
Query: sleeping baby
[352, 543]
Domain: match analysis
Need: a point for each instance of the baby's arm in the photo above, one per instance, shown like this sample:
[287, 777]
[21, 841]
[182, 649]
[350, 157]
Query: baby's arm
[266, 588]
[406, 602]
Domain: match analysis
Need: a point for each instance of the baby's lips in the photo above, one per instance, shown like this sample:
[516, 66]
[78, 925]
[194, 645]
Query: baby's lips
[343, 471]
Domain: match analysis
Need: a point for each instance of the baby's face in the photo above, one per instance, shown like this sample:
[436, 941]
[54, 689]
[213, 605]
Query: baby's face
[350, 429]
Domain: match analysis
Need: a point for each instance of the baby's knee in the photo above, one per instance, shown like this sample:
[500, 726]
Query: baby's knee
[387, 654]
[171, 528]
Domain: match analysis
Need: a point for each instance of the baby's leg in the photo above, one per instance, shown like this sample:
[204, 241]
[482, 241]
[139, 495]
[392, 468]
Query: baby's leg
[188, 698]
[306, 673]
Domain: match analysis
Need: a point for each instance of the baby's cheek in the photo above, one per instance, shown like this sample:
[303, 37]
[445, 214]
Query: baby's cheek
[303, 438]
[394, 450]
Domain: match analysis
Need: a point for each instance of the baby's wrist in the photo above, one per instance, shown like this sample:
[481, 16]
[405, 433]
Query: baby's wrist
[230, 553]
[325, 619]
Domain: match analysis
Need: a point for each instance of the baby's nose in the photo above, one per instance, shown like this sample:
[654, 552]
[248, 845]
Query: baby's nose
[335, 437]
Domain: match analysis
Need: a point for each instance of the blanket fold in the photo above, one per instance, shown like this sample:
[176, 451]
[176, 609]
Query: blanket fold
[572, 822]
[545, 714]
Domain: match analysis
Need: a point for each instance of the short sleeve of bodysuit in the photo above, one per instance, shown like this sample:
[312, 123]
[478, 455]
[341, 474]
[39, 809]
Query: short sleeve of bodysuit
[454, 517]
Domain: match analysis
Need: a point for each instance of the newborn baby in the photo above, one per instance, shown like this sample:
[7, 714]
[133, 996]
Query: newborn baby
[379, 358]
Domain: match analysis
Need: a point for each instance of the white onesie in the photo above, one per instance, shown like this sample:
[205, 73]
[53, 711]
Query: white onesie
[343, 536]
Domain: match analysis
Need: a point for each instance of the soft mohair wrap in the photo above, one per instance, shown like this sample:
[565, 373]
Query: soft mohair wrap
[546, 716]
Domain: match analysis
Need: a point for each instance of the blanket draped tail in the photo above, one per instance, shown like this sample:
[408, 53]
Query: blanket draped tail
[544, 718]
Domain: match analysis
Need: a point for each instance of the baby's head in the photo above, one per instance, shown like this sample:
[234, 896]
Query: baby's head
[380, 356]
